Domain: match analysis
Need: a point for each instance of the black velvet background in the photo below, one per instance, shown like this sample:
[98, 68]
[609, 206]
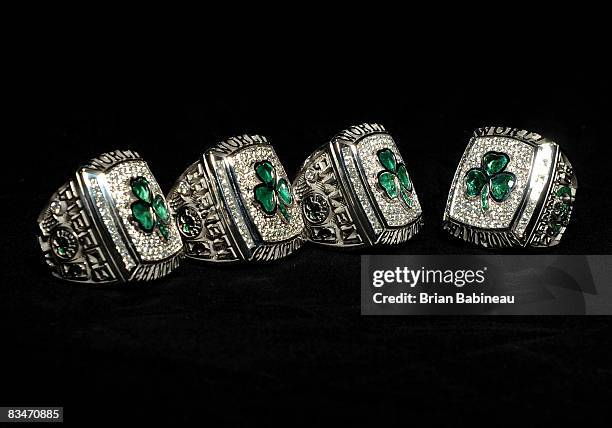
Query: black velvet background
[249, 343]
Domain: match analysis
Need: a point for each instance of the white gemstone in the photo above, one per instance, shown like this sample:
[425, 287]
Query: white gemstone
[184, 189]
[56, 208]
[311, 175]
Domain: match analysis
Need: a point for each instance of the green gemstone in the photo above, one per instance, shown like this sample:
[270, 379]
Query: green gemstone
[140, 188]
[484, 198]
[266, 198]
[143, 215]
[163, 230]
[160, 208]
[284, 191]
[387, 159]
[283, 209]
[564, 190]
[494, 162]
[265, 172]
[387, 182]
[501, 186]
[62, 245]
[187, 223]
[402, 174]
[62, 251]
[474, 182]
[406, 197]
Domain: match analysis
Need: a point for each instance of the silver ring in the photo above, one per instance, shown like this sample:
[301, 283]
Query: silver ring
[236, 203]
[512, 188]
[109, 224]
[355, 191]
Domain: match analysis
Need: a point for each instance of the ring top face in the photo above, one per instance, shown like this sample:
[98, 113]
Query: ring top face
[356, 191]
[128, 191]
[512, 188]
[110, 224]
[237, 203]
[265, 191]
[494, 175]
[380, 180]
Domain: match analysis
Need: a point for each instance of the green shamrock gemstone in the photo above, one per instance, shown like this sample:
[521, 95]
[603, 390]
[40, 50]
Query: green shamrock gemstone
[143, 214]
[501, 185]
[406, 197]
[266, 198]
[271, 193]
[149, 212]
[140, 188]
[494, 162]
[284, 191]
[490, 180]
[387, 180]
[283, 210]
[387, 159]
[394, 179]
[402, 174]
[475, 179]
[163, 230]
[265, 171]
[160, 208]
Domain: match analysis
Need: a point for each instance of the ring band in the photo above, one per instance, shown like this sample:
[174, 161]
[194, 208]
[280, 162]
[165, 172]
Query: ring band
[512, 188]
[109, 224]
[355, 191]
[236, 203]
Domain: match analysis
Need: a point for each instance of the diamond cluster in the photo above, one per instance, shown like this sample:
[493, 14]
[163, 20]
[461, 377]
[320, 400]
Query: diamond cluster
[150, 246]
[104, 209]
[394, 211]
[468, 210]
[353, 173]
[271, 227]
[539, 178]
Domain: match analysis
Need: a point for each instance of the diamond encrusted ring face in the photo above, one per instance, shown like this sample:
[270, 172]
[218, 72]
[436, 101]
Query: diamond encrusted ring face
[237, 203]
[110, 224]
[512, 188]
[356, 191]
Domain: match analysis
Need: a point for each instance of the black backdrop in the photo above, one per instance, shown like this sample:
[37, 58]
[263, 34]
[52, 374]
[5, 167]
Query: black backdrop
[248, 342]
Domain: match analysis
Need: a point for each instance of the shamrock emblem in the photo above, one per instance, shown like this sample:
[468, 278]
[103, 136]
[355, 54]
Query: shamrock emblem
[272, 193]
[394, 178]
[148, 211]
[490, 179]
